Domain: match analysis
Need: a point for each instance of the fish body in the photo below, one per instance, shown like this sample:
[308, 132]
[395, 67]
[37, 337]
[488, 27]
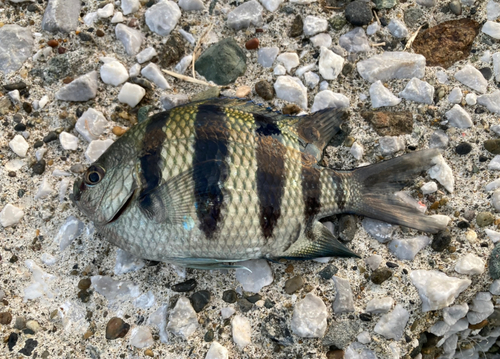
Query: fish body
[227, 180]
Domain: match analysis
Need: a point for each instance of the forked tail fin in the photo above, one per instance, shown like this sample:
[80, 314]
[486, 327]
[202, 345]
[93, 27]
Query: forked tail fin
[373, 187]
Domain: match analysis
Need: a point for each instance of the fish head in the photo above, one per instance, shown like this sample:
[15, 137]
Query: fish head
[107, 187]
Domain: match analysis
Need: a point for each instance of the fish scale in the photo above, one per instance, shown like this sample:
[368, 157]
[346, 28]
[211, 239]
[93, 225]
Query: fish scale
[227, 180]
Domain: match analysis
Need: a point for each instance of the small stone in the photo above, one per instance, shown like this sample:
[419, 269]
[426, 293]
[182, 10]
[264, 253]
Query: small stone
[260, 275]
[183, 321]
[328, 272]
[496, 66]
[294, 284]
[355, 40]
[265, 90]
[458, 117]
[455, 7]
[191, 5]
[229, 296]
[392, 65]
[217, 351]
[470, 264]
[309, 317]
[245, 305]
[297, 26]
[117, 17]
[494, 163]
[68, 141]
[491, 101]
[91, 124]
[330, 64]
[380, 275]
[29, 346]
[484, 219]
[413, 16]
[392, 325]
[486, 72]
[398, 29]
[267, 55]
[248, 13]
[291, 109]
[427, 3]
[39, 167]
[343, 297]
[19, 146]
[291, 89]
[452, 314]
[340, 334]
[384, 4]
[131, 39]
[311, 79]
[358, 13]
[118, 131]
[113, 73]
[170, 101]
[200, 299]
[131, 94]
[5, 318]
[387, 123]
[347, 227]
[314, 25]
[381, 96]
[329, 99]
[173, 50]
[379, 305]
[492, 29]
[186, 286]
[357, 150]
[455, 95]
[162, 17]
[116, 328]
[153, 73]
[379, 230]
[407, 249]
[492, 146]
[141, 337]
[390, 145]
[106, 11]
[183, 64]
[289, 60]
[441, 240]
[61, 16]
[130, 6]
[472, 78]
[96, 148]
[80, 89]
[276, 327]
[241, 330]
[439, 139]
[252, 44]
[418, 91]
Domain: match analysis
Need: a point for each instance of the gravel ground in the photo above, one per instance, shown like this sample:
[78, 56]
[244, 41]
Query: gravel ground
[91, 255]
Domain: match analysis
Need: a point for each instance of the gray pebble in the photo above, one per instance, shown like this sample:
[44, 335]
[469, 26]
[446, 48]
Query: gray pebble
[456, 7]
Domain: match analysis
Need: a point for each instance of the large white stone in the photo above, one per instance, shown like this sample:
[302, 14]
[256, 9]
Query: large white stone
[217, 351]
[469, 264]
[248, 13]
[153, 73]
[329, 99]
[61, 16]
[407, 249]
[80, 89]
[91, 124]
[441, 172]
[131, 39]
[494, 236]
[183, 320]
[491, 101]
[392, 325]
[355, 40]
[242, 331]
[68, 141]
[289, 60]
[191, 5]
[19, 146]
[141, 337]
[492, 29]
[436, 289]
[271, 5]
[257, 275]
[458, 117]
[344, 301]
[389, 145]
[418, 91]
[113, 73]
[379, 305]
[163, 17]
[454, 313]
[473, 78]
[130, 6]
[429, 187]
[309, 317]
[492, 10]
[314, 25]
[131, 94]
[10, 215]
[16, 45]
[392, 65]
[145, 55]
[381, 96]
[291, 89]
[330, 64]
[96, 148]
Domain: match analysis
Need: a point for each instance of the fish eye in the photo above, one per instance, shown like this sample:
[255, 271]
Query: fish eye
[94, 175]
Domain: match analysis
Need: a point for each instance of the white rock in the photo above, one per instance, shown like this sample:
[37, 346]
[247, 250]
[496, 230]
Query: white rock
[217, 351]
[493, 10]
[441, 172]
[41, 282]
[458, 117]
[496, 66]
[494, 163]
[442, 77]
[392, 325]
[141, 337]
[322, 39]
[469, 264]
[495, 287]
[343, 296]
[392, 65]
[96, 148]
[330, 64]
[379, 230]
[481, 308]
[314, 25]
[260, 275]
[145, 55]
[106, 11]
[391, 144]
[373, 28]
[170, 101]
[117, 17]
[492, 29]
[267, 55]
[452, 314]
[373, 261]
[19, 146]
[43, 101]
[227, 312]
[191, 5]
[183, 320]
[492, 235]
[407, 249]
[364, 337]
[135, 70]
[82, 88]
[131, 39]
[381, 96]
[14, 165]
[429, 187]
[271, 5]
[90, 18]
[323, 85]
[491, 101]
[68, 232]
[279, 70]
[355, 41]
[436, 289]
[40, 153]
[153, 73]
[291, 89]
[379, 305]
[162, 17]
[242, 331]
[329, 99]
[289, 60]
[159, 320]
[44, 190]
[471, 99]
[15, 97]
[358, 351]
[91, 124]
[427, 3]
[303, 69]
[439, 328]
[398, 29]
[183, 64]
[486, 57]
[311, 79]
[131, 94]
[473, 78]
[48, 259]
[418, 91]
[68, 141]
[10, 215]
[145, 300]
[126, 262]
[248, 13]
[309, 317]
[439, 139]
[130, 6]
[357, 150]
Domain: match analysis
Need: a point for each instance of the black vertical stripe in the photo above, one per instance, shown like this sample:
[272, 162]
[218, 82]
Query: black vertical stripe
[311, 189]
[271, 174]
[211, 149]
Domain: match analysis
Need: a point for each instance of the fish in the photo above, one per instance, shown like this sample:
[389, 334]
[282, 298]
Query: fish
[215, 182]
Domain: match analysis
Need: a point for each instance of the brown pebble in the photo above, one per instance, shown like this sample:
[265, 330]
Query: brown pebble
[61, 50]
[84, 283]
[118, 131]
[289, 269]
[116, 328]
[291, 109]
[259, 30]
[5, 318]
[99, 33]
[12, 174]
[149, 353]
[53, 43]
[479, 325]
[243, 91]
[252, 44]
[335, 354]
[88, 334]
[67, 80]
[133, 22]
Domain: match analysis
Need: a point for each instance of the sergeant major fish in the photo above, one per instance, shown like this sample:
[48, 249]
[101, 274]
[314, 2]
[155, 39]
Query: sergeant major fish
[225, 180]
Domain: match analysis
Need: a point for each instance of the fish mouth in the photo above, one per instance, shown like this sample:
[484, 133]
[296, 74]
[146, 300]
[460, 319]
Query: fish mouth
[123, 208]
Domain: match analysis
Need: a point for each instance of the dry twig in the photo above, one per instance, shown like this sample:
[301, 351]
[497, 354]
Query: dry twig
[412, 38]
[186, 78]
[197, 47]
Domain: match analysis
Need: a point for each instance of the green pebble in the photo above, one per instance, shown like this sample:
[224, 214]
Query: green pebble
[385, 4]
[484, 219]
[495, 263]
[493, 146]
[212, 92]
[337, 22]
[142, 114]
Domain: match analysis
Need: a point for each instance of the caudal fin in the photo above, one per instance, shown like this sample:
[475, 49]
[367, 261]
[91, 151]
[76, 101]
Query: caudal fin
[373, 190]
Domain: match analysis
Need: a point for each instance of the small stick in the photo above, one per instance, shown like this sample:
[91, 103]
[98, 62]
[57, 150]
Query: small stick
[379, 44]
[333, 8]
[376, 17]
[186, 78]
[202, 37]
[412, 38]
